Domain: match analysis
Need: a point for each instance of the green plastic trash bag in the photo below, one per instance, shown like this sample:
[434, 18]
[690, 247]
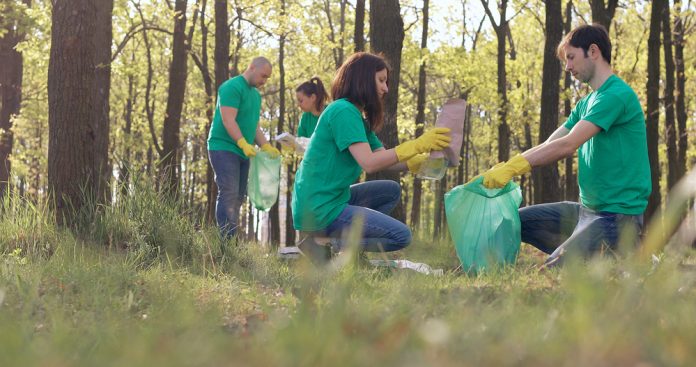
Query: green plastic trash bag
[264, 180]
[484, 224]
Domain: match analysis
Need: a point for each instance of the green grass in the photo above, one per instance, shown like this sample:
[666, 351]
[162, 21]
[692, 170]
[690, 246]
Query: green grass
[142, 285]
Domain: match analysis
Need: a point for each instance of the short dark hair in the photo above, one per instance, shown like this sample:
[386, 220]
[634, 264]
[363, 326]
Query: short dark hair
[355, 81]
[314, 86]
[585, 36]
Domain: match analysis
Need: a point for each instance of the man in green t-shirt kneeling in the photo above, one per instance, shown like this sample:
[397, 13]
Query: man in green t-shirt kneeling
[234, 129]
[607, 128]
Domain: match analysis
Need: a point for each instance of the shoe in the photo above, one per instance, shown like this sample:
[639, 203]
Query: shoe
[316, 253]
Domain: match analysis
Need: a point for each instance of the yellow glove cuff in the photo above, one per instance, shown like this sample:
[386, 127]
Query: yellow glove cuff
[519, 164]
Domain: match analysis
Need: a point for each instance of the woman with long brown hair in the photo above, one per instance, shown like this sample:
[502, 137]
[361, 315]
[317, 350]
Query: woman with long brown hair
[325, 201]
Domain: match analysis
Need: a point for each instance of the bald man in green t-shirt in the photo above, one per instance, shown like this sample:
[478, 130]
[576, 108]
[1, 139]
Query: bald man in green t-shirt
[234, 129]
[607, 128]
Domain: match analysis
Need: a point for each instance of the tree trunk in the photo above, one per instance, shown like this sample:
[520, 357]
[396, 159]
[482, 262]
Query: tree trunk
[571, 184]
[653, 104]
[222, 65]
[603, 14]
[546, 182]
[679, 43]
[670, 126]
[420, 115]
[359, 34]
[274, 215]
[11, 94]
[169, 157]
[78, 136]
[501, 32]
[387, 37]
[124, 171]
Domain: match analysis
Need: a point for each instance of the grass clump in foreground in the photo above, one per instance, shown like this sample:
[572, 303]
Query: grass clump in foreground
[203, 303]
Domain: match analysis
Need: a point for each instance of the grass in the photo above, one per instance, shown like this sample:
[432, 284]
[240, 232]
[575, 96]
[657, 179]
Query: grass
[142, 285]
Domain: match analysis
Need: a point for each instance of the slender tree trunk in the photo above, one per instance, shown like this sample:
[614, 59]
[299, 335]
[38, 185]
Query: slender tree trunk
[670, 125]
[603, 14]
[387, 36]
[124, 171]
[274, 215]
[653, 104]
[169, 157]
[78, 137]
[501, 32]
[11, 94]
[222, 65]
[571, 184]
[359, 34]
[546, 182]
[679, 43]
[420, 115]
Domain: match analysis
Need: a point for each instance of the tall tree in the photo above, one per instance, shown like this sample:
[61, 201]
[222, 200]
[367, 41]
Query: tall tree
[77, 135]
[603, 13]
[670, 125]
[337, 37]
[169, 155]
[546, 187]
[11, 33]
[571, 184]
[282, 39]
[359, 32]
[681, 89]
[387, 37]
[420, 114]
[501, 32]
[653, 100]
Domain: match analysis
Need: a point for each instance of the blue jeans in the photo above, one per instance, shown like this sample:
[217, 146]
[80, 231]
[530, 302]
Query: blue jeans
[568, 228]
[231, 173]
[373, 200]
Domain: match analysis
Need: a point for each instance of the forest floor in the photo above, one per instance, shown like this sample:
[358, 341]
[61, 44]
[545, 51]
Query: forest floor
[107, 300]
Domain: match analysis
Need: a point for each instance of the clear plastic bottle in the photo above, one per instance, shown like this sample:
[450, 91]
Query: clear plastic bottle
[433, 168]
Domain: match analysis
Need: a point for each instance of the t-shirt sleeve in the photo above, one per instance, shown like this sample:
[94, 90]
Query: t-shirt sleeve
[347, 128]
[604, 111]
[230, 95]
[374, 141]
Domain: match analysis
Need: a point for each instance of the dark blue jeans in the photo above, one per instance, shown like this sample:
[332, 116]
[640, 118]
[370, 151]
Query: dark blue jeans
[373, 200]
[231, 173]
[568, 228]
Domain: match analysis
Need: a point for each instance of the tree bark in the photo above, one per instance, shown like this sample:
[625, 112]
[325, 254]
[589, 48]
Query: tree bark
[169, 157]
[420, 115]
[546, 182]
[501, 32]
[653, 100]
[11, 94]
[571, 184]
[603, 14]
[387, 37]
[668, 100]
[682, 137]
[78, 136]
[274, 215]
[359, 33]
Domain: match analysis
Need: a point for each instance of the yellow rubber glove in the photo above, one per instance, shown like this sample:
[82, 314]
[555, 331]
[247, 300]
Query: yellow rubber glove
[500, 164]
[271, 150]
[414, 164]
[248, 150]
[433, 139]
[498, 177]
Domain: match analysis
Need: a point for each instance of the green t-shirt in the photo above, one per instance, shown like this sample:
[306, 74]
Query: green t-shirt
[308, 123]
[237, 93]
[322, 183]
[613, 167]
